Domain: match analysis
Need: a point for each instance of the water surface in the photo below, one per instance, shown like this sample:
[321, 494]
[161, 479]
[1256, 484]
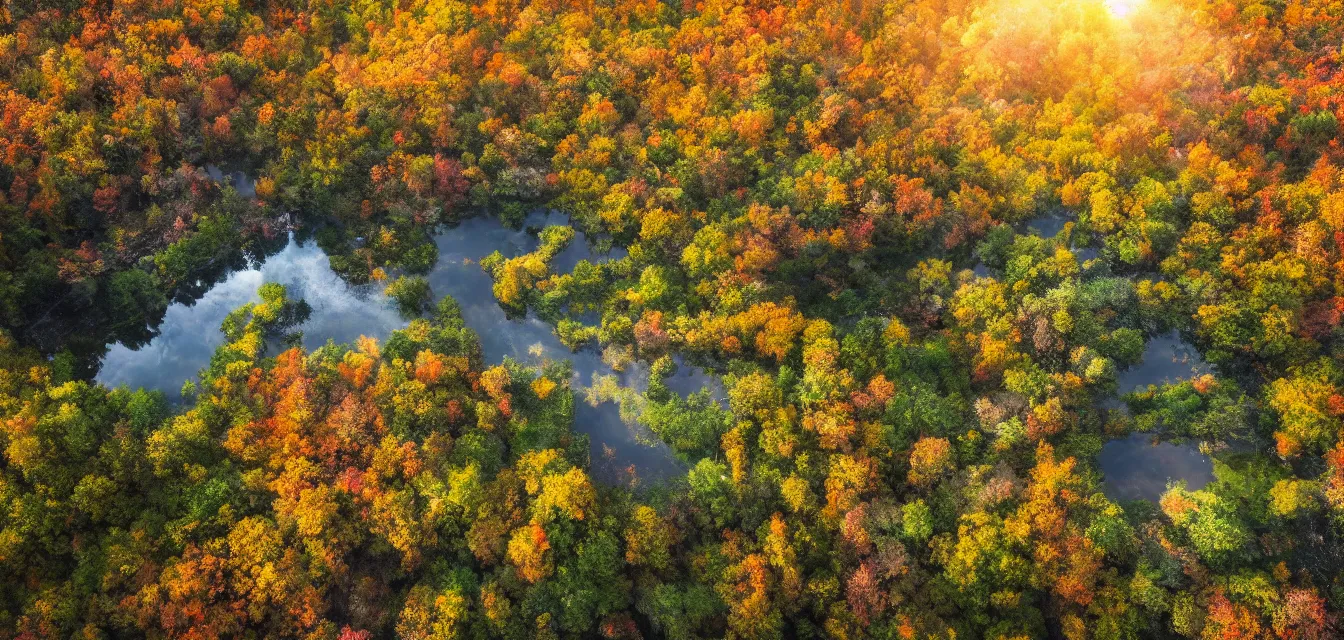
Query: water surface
[688, 379]
[615, 444]
[242, 183]
[1139, 468]
[341, 312]
[1048, 225]
[189, 333]
[1168, 358]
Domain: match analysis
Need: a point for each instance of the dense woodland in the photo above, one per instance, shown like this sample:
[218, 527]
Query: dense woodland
[802, 189]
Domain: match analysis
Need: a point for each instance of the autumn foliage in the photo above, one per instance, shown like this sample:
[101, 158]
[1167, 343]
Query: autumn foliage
[839, 208]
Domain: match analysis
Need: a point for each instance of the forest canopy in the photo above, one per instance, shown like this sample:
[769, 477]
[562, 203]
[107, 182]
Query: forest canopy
[835, 207]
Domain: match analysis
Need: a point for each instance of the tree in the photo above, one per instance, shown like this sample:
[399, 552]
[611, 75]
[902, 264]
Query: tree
[930, 459]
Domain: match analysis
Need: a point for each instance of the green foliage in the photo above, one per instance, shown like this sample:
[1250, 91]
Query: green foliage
[794, 195]
[412, 295]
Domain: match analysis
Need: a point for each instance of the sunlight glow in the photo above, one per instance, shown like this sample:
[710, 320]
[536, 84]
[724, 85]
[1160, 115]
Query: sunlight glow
[1122, 8]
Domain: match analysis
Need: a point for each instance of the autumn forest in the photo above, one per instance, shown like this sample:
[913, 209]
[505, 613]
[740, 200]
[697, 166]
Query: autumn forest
[829, 208]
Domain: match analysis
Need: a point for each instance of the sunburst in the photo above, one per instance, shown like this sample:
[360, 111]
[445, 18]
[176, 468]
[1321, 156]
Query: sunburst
[1122, 8]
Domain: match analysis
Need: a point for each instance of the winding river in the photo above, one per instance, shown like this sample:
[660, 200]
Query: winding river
[1134, 468]
[1140, 466]
[342, 312]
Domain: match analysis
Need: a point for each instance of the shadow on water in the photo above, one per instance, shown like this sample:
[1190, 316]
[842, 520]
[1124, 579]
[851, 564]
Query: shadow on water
[1138, 467]
[189, 333]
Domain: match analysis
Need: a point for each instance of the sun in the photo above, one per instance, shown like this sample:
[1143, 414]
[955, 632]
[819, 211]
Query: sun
[1122, 8]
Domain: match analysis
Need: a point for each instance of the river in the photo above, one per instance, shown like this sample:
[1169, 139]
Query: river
[1140, 466]
[342, 312]
[1134, 468]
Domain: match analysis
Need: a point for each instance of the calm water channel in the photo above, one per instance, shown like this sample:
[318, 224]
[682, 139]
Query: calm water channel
[1133, 467]
[1140, 466]
[342, 312]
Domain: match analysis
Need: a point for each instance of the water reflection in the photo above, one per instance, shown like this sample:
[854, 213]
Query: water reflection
[577, 250]
[1167, 358]
[190, 333]
[1137, 468]
[1048, 225]
[614, 444]
[242, 183]
[688, 379]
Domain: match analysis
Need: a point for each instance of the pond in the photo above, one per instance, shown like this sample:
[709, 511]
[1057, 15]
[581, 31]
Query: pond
[1048, 225]
[189, 334]
[242, 183]
[1138, 467]
[1167, 358]
[342, 312]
